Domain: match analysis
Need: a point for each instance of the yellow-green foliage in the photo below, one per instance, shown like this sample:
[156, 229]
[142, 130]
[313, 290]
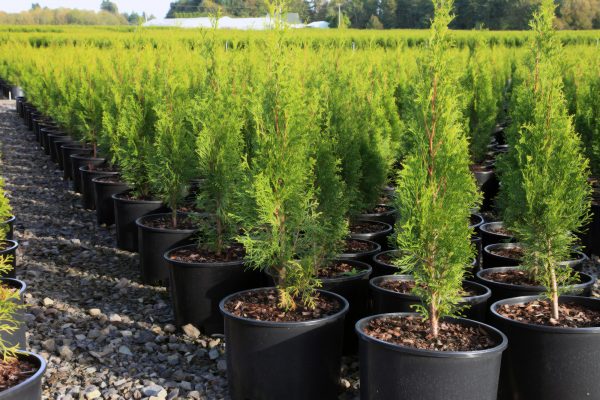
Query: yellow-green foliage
[5, 210]
[9, 305]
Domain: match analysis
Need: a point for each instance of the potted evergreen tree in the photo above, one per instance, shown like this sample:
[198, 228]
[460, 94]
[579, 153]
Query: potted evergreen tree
[7, 218]
[201, 274]
[292, 326]
[23, 371]
[406, 352]
[172, 168]
[8, 247]
[554, 339]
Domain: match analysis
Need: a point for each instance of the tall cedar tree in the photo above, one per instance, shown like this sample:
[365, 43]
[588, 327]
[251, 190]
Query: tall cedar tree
[435, 189]
[283, 235]
[544, 176]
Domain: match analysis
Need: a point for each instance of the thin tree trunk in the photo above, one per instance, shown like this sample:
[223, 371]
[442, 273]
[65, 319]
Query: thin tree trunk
[434, 318]
[554, 295]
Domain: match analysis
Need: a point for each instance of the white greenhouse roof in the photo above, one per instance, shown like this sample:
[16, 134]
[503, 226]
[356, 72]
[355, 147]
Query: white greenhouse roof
[228, 23]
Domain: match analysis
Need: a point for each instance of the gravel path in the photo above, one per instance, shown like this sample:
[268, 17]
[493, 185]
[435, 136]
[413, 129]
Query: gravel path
[105, 335]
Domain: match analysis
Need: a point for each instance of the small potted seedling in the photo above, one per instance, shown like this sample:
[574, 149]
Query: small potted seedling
[8, 247]
[407, 352]
[554, 339]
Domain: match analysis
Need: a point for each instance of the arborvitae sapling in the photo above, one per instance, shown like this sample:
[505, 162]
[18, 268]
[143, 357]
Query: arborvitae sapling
[544, 180]
[435, 189]
[9, 306]
[5, 210]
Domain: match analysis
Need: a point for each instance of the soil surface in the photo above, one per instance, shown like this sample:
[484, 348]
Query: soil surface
[379, 209]
[499, 230]
[338, 269]
[540, 313]
[165, 222]
[199, 256]
[414, 332]
[514, 253]
[366, 227]
[387, 258]
[111, 178]
[405, 287]
[263, 306]
[356, 246]
[14, 372]
[513, 277]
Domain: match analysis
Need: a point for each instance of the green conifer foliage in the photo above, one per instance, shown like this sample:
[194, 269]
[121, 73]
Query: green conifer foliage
[544, 177]
[435, 189]
[5, 210]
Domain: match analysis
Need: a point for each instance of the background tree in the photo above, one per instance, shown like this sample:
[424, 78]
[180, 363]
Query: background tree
[109, 6]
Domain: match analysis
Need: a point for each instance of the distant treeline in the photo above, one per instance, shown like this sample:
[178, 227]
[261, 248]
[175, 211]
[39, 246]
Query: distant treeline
[388, 14]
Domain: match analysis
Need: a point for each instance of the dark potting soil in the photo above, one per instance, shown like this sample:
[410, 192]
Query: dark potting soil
[101, 168]
[366, 227]
[355, 246]
[414, 332]
[387, 258]
[13, 372]
[514, 253]
[111, 178]
[201, 256]
[539, 312]
[166, 223]
[5, 245]
[474, 220]
[263, 305]
[380, 209]
[130, 196]
[499, 230]
[513, 277]
[406, 287]
[338, 269]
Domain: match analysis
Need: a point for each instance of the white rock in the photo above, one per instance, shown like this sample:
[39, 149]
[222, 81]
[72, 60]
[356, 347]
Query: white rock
[94, 312]
[47, 302]
[191, 331]
[154, 390]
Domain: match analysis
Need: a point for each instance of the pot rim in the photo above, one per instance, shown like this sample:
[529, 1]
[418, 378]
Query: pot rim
[500, 347]
[118, 197]
[184, 264]
[478, 224]
[512, 245]
[85, 156]
[84, 168]
[140, 223]
[373, 282]
[543, 328]
[75, 146]
[374, 251]
[14, 245]
[330, 318]
[528, 288]
[485, 225]
[9, 220]
[16, 282]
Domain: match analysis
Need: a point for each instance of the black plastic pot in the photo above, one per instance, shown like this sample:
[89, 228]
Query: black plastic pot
[19, 106]
[127, 211]
[44, 141]
[10, 250]
[30, 388]
[389, 371]
[387, 301]
[56, 152]
[355, 289]
[9, 227]
[388, 216]
[590, 237]
[152, 245]
[501, 291]
[17, 338]
[492, 260]
[488, 236]
[488, 184]
[105, 205]
[381, 268]
[546, 362]
[476, 222]
[197, 288]
[81, 160]
[380, 237]
[366, 256]
[52, 139]
[284, 360]
[66, 151]
[88, 196]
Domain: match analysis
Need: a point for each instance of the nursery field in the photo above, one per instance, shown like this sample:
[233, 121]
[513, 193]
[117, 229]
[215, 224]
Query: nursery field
[172, 198]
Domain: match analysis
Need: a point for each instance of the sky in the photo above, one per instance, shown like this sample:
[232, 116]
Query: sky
[157, 7]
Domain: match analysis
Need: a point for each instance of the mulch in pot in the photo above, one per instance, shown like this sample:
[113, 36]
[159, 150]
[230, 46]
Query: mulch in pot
[165, 222]
[406, 287]
[14, 372]
[514, 253]
[413, 331]
[539, 312]
[357, 246]
[512, 277]
[366, 227]
[337, 269]
[500, 230]
[200, 255]
[262, 305]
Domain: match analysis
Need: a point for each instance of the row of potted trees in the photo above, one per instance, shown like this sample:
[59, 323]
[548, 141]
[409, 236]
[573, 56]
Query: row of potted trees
[272, 189]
